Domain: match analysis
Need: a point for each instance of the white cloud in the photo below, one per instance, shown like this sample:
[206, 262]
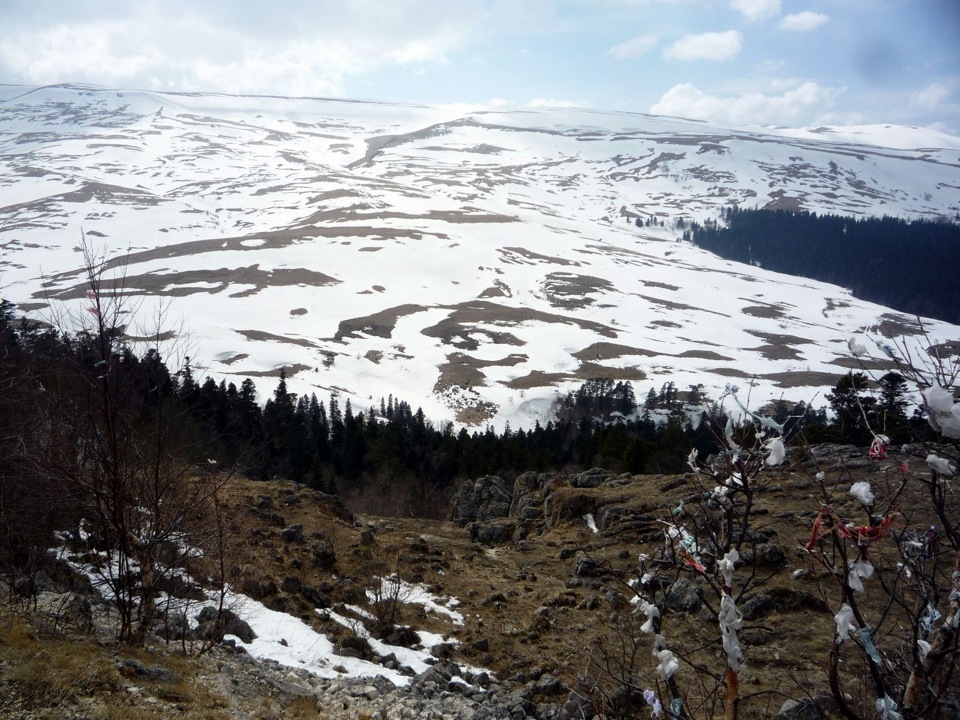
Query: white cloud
[716, 46]
[931, 97]
[633, 47]
[551, 103]
[754, 10]
[233, 47]
[803, 22]
[798, 106]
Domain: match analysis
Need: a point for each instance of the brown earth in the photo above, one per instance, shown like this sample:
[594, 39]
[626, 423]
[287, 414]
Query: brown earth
[526, 609]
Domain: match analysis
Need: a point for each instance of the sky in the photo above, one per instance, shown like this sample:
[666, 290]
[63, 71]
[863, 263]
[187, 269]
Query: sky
[794, 63]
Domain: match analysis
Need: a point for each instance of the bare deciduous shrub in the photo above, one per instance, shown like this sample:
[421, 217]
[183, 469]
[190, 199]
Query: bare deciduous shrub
[120, 443]
[896, 560]
[889, 548]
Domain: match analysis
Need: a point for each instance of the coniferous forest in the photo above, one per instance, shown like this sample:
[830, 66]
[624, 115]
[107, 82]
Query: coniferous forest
[387, 450]
[910, 266]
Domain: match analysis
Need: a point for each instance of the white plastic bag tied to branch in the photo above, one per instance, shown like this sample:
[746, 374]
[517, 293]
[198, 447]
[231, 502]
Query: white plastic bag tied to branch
[728, 434]
[863, 492]
[651, 699]
[943, 413]
[845, 624]
[860, 570]
[929, 618]
[777, 452]
[726, 565]
[766, 422]
[730, 623]
[668, 664]
[941, 465]
[856, 346]
[652, 612]
[887, 709]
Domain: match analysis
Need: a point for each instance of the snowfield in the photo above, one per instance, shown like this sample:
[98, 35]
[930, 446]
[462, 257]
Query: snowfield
[477, 263]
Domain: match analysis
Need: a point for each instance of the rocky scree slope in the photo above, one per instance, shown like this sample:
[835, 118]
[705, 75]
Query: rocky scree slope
[540, 587]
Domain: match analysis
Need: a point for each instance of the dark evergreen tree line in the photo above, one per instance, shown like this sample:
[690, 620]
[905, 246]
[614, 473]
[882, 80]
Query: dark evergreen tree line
[910, 266]
[336, 448]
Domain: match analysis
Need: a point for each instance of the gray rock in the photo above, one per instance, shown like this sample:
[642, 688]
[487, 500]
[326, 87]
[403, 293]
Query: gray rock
[757, 606]
[578, 707]
[214, 627]
[548, 685]
[294, 533]
[585, 566]
[494, 533]
[683, 596]
[291, 584]
[315, 597]
[615, 600]
[482, 499]
[767, 555]
[131, 667]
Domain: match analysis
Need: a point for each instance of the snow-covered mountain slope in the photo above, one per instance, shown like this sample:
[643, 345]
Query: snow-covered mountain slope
[476, 263]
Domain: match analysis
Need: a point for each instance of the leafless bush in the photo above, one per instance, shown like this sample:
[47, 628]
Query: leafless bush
[708, 538]
[128, 452]
[896, 561]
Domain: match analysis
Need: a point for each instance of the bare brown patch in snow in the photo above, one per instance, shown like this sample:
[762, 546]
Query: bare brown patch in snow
[779, 347]
[290, 371]
[261, 336]
[572, 291]
[379, 324]
[609, 351]
[781, 201]
[235, 358]
[801, 378]
[191, 282]
[470, 321]
[771, 312]
[535, 379]
[522, 256]
[662, 286]
[863, 363]
[589, 370]
[703, 355]
[465, 371]
[893, 326]
[671, 305]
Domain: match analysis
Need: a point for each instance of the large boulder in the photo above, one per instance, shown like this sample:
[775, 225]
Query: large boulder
[213, 625]
[481, 500]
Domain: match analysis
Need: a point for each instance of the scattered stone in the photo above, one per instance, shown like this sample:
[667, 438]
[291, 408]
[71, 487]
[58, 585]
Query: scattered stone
[291, 584]
[683, 596]
[133, 668]
[584, 565]
[293, 534]
[494, 533]
[767, 555]
[494, 598]
[615, 600]
[315, 597]
[213, 626]
[548, 685]
[757, 606]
